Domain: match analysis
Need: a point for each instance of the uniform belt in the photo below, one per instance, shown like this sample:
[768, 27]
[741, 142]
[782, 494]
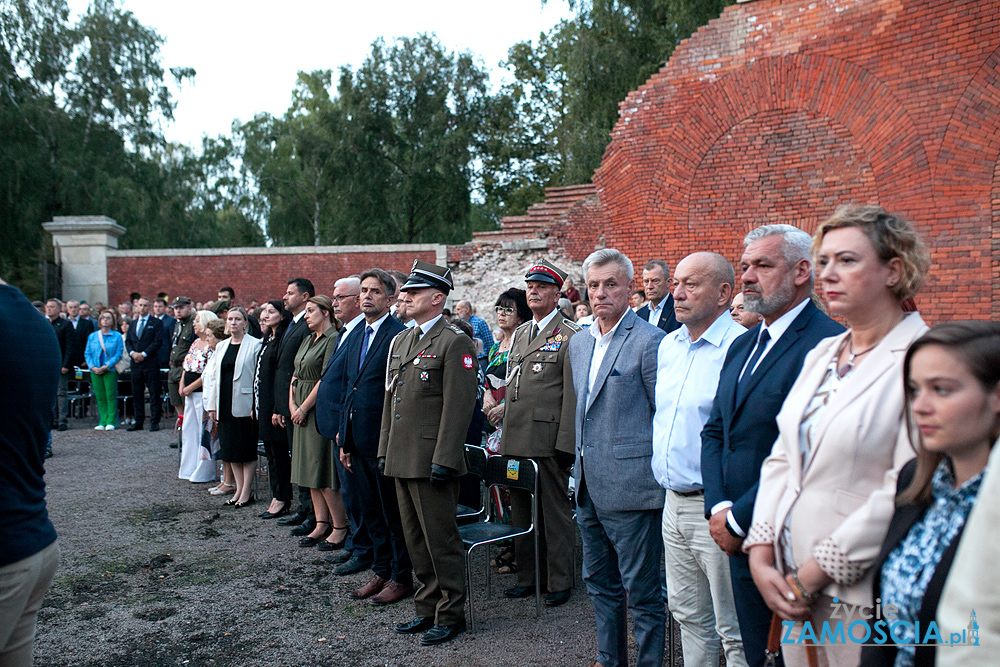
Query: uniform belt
[688, 494]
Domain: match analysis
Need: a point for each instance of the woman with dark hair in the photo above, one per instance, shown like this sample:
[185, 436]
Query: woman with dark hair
[231, 404]
[275, 320]
[312, 454]
[951, 376]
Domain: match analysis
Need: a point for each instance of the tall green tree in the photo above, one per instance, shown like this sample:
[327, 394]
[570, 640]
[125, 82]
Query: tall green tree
[551, 124]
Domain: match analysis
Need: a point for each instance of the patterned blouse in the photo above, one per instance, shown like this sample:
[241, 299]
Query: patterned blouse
[909, 568]
[196, 359]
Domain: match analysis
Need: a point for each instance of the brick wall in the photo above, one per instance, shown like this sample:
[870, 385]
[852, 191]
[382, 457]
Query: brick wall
[779, 110]
[258, 273]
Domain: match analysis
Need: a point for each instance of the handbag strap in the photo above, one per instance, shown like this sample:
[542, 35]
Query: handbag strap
[100, 339]
[774, 644]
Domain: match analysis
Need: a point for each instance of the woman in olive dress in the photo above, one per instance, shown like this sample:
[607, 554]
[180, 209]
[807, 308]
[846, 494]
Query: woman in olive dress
[312, 454]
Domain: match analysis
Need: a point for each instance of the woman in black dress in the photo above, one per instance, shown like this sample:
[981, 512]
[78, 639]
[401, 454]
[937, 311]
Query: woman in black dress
[232, 404]
[275, 319]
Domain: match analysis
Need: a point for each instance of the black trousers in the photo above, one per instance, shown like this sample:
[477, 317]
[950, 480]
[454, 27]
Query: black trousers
[359, 542]
[279, 469]
[147, 376]
[381, 519]
[305, 497]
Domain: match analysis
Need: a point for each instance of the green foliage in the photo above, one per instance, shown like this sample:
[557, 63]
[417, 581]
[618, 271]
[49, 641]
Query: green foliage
[552, 123]
[388, 159]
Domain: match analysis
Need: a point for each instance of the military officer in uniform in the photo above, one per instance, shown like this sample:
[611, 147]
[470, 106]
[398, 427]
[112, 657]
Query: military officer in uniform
[180, 342]
[430, 395]
[538, 423]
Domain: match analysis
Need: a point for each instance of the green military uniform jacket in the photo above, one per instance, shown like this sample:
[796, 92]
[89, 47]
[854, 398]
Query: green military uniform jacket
[540, 404]
[430, 396]
[181, 339]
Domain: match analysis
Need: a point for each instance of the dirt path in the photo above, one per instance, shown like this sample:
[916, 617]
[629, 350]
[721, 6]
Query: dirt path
[156, 572]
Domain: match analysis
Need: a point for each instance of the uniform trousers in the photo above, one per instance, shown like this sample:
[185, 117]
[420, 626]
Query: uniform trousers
[556, 535]
[699, 589]
[427, 514]
[22, 589]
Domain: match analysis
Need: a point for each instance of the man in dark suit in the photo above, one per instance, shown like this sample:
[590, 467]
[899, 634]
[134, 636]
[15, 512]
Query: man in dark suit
[430, 395]
[63, 329]
[143, 342]
[76, 337]
[360, 428]
[760, 368]
[297, 293]
[357, 553]
[619, 502]
[168, 322]
[659, 311]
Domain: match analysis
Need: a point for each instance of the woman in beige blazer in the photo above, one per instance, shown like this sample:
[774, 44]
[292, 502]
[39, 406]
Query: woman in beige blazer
[827, 490]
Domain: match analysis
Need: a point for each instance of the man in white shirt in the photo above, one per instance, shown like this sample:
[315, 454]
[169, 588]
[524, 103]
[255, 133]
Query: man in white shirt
[700, 594]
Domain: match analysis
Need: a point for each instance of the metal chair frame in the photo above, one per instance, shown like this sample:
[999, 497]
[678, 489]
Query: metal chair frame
[512, 473]
[475, 460]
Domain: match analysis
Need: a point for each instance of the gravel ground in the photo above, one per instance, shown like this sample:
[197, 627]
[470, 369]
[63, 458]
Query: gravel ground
[156, 572]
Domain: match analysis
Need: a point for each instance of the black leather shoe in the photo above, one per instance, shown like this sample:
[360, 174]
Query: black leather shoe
[154, 427]
[274, 515]
[337, 559]
[440, 634]
[519, 592]
[419, 624]
[135, 427]
[557, 598]
[295, 519]
[62, 427]
[353, 565]
[304, 528]
[173, 444]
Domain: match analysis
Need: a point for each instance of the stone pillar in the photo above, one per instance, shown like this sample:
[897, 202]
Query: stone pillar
[81, 246]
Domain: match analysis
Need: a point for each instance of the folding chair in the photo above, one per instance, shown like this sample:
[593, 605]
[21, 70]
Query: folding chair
[475, 461]
[512, 473]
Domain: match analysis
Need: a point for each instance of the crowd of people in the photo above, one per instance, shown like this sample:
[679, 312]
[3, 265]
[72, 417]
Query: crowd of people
[732, 452]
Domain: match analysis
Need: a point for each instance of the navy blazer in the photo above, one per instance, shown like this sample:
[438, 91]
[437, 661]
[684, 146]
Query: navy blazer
[330, 394]
[150, 342]
[168, 323]
[668, 322]
[364, 388]
[739, 436]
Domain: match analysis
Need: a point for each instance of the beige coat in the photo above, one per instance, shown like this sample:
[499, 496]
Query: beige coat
[840, 502]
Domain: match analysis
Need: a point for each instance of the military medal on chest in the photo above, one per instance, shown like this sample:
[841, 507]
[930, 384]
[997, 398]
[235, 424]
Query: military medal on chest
[536, 368]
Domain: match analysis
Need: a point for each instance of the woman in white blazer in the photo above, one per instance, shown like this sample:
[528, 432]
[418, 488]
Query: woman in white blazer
[827, 490]
[228, 399]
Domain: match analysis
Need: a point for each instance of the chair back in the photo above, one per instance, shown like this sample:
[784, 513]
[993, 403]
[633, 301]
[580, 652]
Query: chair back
[475, 460]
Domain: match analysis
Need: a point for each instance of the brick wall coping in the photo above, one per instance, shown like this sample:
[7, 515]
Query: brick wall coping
[439, 249]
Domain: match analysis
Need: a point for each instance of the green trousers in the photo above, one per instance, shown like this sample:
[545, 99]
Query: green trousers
[106, 392]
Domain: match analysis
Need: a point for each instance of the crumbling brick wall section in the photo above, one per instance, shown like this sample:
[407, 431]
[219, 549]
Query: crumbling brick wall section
[778, 111]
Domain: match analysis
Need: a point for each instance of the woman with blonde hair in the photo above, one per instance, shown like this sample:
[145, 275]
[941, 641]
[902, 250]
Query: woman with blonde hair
[826, 490]
[312, 454]
[230, 402]
[192, 467]
[105, 348]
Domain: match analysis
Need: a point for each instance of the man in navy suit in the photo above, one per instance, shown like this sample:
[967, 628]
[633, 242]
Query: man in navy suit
[760, 368]
[357, 553]
[360, 429]
[143, 343]
[168, 322]
[659, 311]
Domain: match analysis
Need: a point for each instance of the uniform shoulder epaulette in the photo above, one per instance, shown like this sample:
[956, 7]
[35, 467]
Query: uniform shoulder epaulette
[570, 324]
[455, 329]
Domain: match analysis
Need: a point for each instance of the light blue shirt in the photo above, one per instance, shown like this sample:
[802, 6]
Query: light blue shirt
[687, 376]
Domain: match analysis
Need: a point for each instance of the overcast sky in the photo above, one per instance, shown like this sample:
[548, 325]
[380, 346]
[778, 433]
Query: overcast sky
[247, 53]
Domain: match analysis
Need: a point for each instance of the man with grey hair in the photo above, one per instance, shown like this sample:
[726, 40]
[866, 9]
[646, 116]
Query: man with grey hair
[466, 311]
[618, 500]
[699, 593]
[758, 372]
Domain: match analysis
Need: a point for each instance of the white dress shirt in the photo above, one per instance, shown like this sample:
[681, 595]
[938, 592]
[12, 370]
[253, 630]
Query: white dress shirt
[348, 328]
[775, 331]
[654, 313]
[600, 349]
[687, 376]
